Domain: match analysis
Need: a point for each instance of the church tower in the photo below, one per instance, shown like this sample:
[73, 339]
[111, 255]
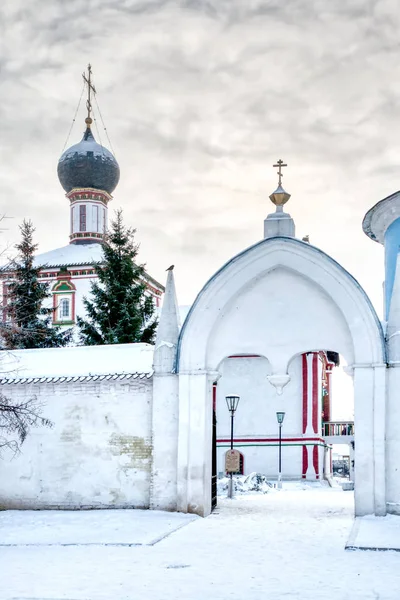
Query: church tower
[89, 173]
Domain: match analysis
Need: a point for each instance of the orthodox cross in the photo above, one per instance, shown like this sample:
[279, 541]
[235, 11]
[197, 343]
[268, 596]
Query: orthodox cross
[90, 88]
[279, 164]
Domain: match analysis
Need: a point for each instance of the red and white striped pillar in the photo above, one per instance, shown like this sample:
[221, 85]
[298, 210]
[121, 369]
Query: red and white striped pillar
[311, 372]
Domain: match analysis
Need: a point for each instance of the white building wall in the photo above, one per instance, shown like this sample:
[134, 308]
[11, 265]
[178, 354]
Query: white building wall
[97, 455]
[255, 419]
[96, 216]
[82, 285]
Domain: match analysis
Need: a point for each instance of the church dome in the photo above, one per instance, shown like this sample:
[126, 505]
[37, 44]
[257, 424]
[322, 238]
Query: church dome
[88, 165]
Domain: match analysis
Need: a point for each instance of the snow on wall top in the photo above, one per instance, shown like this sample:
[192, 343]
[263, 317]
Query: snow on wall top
[71, 255]
[77, 361]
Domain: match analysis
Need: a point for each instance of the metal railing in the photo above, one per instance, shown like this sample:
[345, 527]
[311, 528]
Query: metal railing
[339, 428]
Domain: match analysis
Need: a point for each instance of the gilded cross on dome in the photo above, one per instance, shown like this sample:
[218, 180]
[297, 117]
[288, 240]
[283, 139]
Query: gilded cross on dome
[279, 165]
[279, 197]
[90, 88]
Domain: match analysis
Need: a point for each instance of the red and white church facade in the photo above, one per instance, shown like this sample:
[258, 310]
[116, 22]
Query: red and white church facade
[89, 173]
[307, 430]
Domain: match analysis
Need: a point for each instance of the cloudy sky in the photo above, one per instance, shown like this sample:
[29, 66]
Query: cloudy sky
[200, 98]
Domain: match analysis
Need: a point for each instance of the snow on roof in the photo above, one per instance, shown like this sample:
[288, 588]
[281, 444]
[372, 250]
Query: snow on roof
[85, 146]
[76, 361]
[71, 255]
[75, 255]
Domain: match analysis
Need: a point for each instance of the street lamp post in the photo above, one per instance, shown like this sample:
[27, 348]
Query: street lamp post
[279, 417]
[232, 403]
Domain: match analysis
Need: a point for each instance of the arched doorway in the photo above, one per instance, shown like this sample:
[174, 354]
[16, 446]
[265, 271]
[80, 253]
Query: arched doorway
[318, 417]
[277, 299]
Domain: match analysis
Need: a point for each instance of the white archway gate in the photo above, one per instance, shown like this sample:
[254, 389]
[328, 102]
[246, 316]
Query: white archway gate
[279, 298]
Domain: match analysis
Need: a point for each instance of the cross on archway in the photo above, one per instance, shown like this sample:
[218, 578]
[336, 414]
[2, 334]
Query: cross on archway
[279, 165]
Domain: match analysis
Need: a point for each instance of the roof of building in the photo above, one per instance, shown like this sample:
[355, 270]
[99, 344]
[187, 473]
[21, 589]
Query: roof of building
[88, 165]
[292, 245]
[77, 255]
[73, 255]
[379, 218]
[82, 363]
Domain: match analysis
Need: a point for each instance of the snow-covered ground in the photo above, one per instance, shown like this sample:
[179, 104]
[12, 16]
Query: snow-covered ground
[282, 545]
[376, 533]
[88, 527]
[258, 483]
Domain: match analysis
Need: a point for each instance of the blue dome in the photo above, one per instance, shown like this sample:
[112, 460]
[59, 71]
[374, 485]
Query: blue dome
[88, 165]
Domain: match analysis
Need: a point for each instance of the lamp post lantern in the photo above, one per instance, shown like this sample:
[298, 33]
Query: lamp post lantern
[232, 402]
[279, 417]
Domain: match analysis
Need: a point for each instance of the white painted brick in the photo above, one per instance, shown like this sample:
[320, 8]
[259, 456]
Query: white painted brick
[97, 455]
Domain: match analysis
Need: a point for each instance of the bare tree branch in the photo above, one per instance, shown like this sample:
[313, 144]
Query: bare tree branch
[17, 417]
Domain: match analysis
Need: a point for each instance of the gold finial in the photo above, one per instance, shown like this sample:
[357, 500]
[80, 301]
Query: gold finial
[279, 197]
[279, 164]
[90, 88]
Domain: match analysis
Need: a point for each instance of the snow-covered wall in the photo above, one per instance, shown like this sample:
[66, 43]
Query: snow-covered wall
[97, 455]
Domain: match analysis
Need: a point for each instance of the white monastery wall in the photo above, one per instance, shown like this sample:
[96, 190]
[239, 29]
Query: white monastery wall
[97, 455]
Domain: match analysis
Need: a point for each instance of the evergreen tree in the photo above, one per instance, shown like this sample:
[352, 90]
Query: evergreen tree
[120, 310]
[31, 325]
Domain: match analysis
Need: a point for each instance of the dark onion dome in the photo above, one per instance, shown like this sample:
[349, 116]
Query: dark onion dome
[88, 165]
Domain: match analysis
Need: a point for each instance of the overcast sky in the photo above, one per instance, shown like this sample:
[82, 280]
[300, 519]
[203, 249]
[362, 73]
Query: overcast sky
[200, 98]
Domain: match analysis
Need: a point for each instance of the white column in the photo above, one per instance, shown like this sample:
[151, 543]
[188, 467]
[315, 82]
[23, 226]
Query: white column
[393, 405]
[379, 440]
[327, 462]
[165, 409]
[195, 443]
[351, 455]
[310, 473]
[163, 492]
[364, 448]
[369, 408]
[393, 440]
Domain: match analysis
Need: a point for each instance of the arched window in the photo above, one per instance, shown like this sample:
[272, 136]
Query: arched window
[64, 299]
[65, 309]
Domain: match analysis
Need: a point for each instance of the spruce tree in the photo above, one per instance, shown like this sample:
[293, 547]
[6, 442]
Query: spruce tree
[31, 323]
[120, 311]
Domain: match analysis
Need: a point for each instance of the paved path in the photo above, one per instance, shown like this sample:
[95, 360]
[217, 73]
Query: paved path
[284, 545]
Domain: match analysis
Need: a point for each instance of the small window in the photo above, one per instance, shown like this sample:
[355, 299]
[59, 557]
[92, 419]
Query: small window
[82, 217]
[96, 218]
[65, 311]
